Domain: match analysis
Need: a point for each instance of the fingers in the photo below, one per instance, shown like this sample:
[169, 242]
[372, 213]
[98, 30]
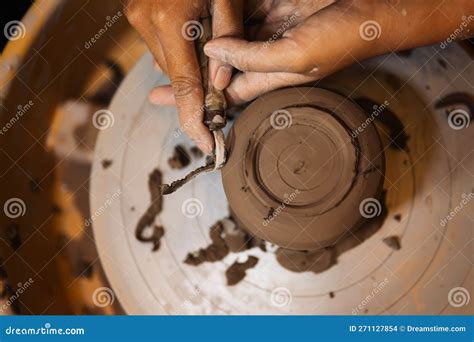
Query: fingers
[281, 55]
[143, 25]
[162, 95]
[247, 86]
[227, 21]
[185, 75]
[244, 87]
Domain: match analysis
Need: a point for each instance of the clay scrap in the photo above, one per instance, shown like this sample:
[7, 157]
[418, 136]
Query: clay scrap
[148, 218]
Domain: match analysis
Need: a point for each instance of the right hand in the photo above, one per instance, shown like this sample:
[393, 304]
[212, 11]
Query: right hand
[165, 27]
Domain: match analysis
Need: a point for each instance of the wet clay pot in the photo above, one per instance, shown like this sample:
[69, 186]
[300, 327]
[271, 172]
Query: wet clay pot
[301, 162]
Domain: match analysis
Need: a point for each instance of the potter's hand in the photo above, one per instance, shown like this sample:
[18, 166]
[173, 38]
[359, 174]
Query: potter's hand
[296, 45]
[170, 29]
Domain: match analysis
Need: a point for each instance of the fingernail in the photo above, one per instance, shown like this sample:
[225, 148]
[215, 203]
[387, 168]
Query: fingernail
[215, 52]
[210, 50]
[222, 79]
[204, 147]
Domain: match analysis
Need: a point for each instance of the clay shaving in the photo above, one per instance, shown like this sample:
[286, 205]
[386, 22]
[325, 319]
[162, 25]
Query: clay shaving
[155, 208]
[167, 189]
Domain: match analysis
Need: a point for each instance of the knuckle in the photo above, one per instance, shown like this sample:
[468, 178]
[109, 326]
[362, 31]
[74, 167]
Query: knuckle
[241, 62]
[185, 86]
[300, 64]
[134, 13]
[159, 18]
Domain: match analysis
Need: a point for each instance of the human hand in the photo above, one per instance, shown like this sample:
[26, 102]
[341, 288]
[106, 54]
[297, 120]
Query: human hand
[296, 42]
[170, 29]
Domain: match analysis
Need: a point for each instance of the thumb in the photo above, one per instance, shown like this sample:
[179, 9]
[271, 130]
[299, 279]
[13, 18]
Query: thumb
[282, 55]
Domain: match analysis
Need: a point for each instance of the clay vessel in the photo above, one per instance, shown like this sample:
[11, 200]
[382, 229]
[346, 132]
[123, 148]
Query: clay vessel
[303, 168]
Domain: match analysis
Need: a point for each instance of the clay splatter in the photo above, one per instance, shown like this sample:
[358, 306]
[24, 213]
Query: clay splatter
[459, 98]
[155, 208]
[398, 136]
[196, 152]
[238, 270]
[393, 242]
[216, 251]
[180, 158]
[106, 163]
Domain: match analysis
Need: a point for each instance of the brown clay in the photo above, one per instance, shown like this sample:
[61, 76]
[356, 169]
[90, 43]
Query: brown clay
[155, 208]
[180, 158]
[296, 173]
[238, 270]
[216, 251]
[167, 189]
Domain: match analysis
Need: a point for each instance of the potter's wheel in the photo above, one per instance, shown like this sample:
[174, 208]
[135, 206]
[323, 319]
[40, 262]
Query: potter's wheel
[424, 183]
